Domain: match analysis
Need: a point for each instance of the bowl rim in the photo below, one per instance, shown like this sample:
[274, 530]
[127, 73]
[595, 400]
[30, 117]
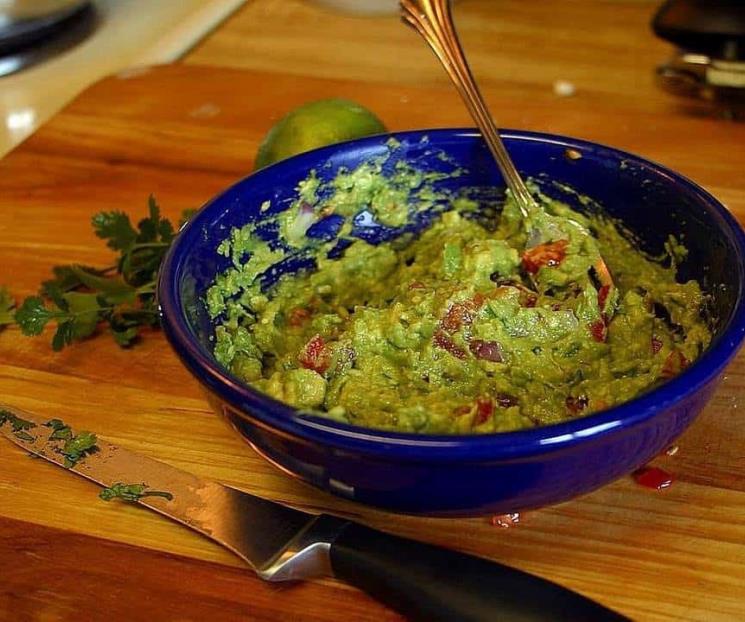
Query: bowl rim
[268, 413]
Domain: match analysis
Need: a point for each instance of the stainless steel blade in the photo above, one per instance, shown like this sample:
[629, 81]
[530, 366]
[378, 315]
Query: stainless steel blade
[280, 543]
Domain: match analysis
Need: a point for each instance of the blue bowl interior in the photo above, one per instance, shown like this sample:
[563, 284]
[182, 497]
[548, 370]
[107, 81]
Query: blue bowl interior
[651, 201]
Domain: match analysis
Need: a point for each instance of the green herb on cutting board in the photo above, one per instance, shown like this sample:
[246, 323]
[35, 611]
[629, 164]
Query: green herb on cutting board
[131, 492]
[77, 447]
[78, 299]
[20, 426]
[60, 430]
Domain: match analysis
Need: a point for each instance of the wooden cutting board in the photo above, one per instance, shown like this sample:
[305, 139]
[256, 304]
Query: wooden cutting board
[184, 133]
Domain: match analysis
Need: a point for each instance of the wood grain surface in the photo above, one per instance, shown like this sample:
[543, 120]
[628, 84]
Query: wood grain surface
[604, 48]
[185, 132]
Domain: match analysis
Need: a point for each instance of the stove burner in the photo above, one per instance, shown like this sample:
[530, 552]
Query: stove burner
[28, 42]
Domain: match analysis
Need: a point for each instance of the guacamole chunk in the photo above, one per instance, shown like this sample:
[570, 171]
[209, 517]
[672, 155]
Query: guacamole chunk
[463, 329]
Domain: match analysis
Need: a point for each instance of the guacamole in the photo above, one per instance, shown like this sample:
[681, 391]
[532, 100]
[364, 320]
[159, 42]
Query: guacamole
[465, 328]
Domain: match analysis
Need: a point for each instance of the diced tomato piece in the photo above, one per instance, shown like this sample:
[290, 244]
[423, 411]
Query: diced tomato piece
[441, 340]
[656, 344]
[299, 316]
[599, 331]
[484, 410]
[603, 296]
[550, 254]
[675, 363]
[458, 315]
[315, 355]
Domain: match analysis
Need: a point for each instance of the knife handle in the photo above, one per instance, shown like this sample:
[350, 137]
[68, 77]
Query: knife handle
[429, 583]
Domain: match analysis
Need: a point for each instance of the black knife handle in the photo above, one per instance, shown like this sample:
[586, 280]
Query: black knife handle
[429, 583]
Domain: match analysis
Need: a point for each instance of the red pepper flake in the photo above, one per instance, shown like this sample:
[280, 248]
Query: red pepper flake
[299, 316]
[416, 285]
[550, 254]
[652, 477]
[505, 400]
[441, 340]
[603, 296]
[675, 363]
[656, 344]
[505, 521]
[484, 410]
[315, 355]
[599, 331]
[486, 350]
[577, 404]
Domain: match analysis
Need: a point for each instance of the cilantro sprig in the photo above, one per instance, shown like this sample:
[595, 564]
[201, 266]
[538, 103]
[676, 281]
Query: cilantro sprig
[131, 492]
[80, 299]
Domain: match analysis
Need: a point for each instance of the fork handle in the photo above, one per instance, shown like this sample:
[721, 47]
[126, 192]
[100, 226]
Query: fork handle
[434, 22]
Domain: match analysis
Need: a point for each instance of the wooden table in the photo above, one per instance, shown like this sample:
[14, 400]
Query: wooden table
[185, 132]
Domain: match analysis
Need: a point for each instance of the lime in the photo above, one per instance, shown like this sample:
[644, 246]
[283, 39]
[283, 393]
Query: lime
[314, 125]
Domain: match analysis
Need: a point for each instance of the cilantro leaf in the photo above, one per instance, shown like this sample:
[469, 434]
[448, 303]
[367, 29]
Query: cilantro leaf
[16, 423]
[77, 447]
[131, 492]
[33, 316]
[60, 431]
[115, 228]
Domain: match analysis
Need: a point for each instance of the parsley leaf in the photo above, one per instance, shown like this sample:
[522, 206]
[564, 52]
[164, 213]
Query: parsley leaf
[131, 492]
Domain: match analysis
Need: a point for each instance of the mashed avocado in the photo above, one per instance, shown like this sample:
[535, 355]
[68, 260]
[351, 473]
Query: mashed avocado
[460, 330]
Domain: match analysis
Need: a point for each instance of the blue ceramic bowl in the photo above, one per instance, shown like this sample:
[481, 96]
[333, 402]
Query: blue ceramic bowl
[470, 475]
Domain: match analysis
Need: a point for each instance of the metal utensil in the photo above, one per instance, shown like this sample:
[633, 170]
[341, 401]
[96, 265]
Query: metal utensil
[422, 581]
[434, 22]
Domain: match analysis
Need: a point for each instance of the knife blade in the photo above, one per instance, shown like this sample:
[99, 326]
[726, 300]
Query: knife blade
[421, 581]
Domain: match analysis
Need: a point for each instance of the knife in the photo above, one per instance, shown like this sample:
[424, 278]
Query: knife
[421, 581]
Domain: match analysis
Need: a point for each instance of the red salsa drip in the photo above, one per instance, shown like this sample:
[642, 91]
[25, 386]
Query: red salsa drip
[653, 477]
